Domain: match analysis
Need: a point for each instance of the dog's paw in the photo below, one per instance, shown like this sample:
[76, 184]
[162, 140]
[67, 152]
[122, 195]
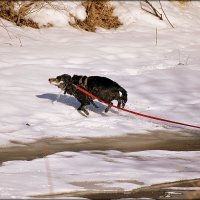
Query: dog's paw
[83, 113]
[86, 112]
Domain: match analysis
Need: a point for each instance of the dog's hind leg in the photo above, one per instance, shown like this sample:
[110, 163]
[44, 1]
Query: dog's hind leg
[119, 103]
[82, 108]
[123, 103]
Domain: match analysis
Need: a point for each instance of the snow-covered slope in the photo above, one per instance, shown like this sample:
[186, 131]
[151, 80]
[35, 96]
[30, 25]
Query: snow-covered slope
[161, 80]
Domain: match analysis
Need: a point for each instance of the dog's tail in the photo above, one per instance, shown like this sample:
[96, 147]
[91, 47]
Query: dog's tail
[123, 96]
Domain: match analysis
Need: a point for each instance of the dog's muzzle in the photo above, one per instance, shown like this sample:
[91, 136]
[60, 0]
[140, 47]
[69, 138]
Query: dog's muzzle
[54, 81]
[51, 80]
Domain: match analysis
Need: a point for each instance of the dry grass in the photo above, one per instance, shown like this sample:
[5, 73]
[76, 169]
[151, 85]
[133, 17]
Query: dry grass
[9, 12]
[182, 3]
[99, 14]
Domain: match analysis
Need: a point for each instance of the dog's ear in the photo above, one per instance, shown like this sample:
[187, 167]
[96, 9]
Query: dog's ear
[75, 79]
[66, 78]
[66, 75]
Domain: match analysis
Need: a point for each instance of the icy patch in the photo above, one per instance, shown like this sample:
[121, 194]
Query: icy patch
[107, 170]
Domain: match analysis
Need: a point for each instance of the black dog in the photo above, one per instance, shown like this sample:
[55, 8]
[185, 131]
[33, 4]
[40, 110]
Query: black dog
[101, 87]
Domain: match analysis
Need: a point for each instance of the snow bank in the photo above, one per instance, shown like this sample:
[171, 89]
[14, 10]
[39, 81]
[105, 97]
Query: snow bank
[129, 13]
[161, 80]
[96, 171]
[58, 13]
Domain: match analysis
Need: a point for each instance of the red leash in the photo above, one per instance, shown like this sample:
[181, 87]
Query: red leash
[135, 113]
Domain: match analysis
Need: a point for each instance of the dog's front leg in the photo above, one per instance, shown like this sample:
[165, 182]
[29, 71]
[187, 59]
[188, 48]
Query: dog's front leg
[70, 89]
[108, 108]
[83, 109]
[94, 104]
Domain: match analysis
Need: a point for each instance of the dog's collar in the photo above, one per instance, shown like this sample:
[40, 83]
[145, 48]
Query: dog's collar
[62, 86]
[83, 81]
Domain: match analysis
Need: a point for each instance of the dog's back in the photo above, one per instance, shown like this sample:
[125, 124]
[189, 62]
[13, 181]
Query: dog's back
[102, 87]
[106, 89]
[100, 81]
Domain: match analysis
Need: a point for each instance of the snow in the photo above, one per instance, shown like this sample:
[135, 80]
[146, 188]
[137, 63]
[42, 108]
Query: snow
[110, 171]
[57, 13]
[151, 75]
[161, 79]
[80, 13]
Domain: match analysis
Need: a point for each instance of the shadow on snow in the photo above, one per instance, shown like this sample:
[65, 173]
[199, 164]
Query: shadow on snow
[72, 101]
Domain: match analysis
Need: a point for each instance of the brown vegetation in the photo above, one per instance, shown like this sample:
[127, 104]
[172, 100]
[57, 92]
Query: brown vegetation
[9, 12]
[99, 14]
[182, 3]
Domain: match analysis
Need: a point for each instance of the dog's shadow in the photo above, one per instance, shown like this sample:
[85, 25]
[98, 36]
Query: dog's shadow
[71, 101]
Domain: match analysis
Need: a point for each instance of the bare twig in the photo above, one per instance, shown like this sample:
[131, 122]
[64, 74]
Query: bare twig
[20, 41]
[165, 15]
[154, 11]
[8, 43]
[186, 62]
[4, 27]
[10, 33]
[156, 36]
[181, 63]
[50, 183]
[179, 58]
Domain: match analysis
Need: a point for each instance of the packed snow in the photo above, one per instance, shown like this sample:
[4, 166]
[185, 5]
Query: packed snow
[162, 79]
[96, 171]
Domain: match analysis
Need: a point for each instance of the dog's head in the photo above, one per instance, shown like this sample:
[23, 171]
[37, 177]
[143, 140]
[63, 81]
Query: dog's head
[61, 81]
